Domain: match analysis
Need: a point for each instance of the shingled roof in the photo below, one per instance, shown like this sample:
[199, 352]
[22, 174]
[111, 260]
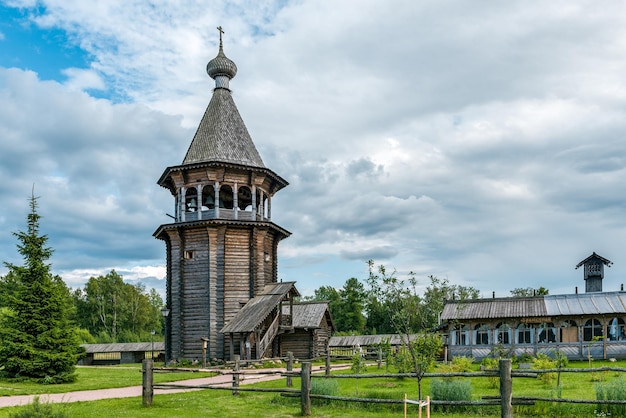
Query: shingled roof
[595, 256]
[494, 308]
[222, 136]
[259, 307]
[309, 314]
[124, 347]
[608, 303]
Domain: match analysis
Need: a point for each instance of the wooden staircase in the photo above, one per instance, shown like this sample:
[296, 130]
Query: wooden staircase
[267, 339]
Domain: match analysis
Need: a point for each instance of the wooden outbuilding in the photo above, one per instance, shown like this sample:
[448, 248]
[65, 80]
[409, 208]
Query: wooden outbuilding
[312, 327]
[121, 353]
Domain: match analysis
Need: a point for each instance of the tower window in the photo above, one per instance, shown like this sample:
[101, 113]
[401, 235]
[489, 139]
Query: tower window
[226, 197]
[191, 200]
[244, 197]
[208, 197]
[188, 255]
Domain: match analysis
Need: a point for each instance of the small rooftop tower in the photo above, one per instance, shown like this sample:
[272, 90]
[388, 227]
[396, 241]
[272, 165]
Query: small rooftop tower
[594, 272]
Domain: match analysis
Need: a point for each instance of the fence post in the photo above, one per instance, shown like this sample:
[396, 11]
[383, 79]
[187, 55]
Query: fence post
[405, 407]
[327, 369]
[147, 382]
[289, 368]
[236, 368]
[506, 388]
[380, 357]
[305, 388]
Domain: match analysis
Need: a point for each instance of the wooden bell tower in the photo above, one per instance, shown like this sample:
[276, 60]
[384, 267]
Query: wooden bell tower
[222, 246]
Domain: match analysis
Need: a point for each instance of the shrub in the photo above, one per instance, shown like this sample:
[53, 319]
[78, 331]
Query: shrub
[58, 378]
[544, 362]
[328, 387]
[461, 364]
[402, 361]
[451, 390]
[525, 358]
[36, 409]
[612, 390]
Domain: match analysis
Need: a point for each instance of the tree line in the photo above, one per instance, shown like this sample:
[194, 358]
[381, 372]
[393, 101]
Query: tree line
[374, 307]
[108, 310]
[105, 310]
[370, 307]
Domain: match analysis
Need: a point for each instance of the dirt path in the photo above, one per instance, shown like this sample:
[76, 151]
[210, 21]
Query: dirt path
[135, 391]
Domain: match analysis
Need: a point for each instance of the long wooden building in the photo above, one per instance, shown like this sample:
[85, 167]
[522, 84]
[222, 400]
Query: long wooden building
[579, 324]
[222, 248]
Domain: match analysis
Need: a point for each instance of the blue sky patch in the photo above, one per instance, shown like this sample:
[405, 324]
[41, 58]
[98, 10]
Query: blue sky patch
[45, 51]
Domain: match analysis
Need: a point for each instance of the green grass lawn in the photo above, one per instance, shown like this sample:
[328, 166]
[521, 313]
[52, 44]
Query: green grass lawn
[89, 378]
[247, 404]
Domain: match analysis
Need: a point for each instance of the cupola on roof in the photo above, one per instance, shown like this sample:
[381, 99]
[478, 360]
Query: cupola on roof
[222, 135]
[221, 64]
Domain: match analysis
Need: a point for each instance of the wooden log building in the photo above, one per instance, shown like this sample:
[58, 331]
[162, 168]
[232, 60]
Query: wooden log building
[312, 326]
[579, 324]
[222, 248]
[121, 353]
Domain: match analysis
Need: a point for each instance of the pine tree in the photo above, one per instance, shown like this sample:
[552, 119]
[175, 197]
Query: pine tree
[37, 339]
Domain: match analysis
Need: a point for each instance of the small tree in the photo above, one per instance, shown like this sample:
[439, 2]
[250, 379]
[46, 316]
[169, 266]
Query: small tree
[561, 362]
[359, 365]
[591, 342]
[424, 349]
[37, 339]
[407, 315]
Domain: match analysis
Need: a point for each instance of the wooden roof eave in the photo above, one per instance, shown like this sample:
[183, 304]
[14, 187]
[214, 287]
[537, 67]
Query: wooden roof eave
[605, 261]
[165, 180]
[239, 322]
[203, 222]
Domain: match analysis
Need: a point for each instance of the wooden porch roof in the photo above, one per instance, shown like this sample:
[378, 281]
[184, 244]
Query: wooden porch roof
[309, 314]
[259, 307]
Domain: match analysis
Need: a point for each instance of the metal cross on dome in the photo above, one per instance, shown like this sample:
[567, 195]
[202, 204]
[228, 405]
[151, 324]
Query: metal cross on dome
[219, 28]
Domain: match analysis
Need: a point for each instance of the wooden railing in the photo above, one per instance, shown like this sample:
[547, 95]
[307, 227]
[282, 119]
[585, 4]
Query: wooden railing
[230, 214]
[272, 331]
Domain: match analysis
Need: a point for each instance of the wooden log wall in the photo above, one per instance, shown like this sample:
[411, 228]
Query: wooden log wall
[211, 279]
[321, 337]
[216, 294]
[299, 343]
[236, 277]
[174, 325]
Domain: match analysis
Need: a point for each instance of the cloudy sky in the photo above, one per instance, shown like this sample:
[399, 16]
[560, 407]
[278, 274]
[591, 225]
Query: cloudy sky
[481, 141]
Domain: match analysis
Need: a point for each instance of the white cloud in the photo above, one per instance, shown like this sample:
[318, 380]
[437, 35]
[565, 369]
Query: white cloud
[80, 79]
[479, 142]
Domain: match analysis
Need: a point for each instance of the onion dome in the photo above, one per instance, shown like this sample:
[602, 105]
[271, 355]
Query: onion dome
[221, 68]
[221, 65]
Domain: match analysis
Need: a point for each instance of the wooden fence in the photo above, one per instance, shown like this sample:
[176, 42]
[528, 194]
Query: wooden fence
[504, 372]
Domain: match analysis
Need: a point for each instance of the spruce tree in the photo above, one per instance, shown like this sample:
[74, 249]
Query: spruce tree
[37, 339]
